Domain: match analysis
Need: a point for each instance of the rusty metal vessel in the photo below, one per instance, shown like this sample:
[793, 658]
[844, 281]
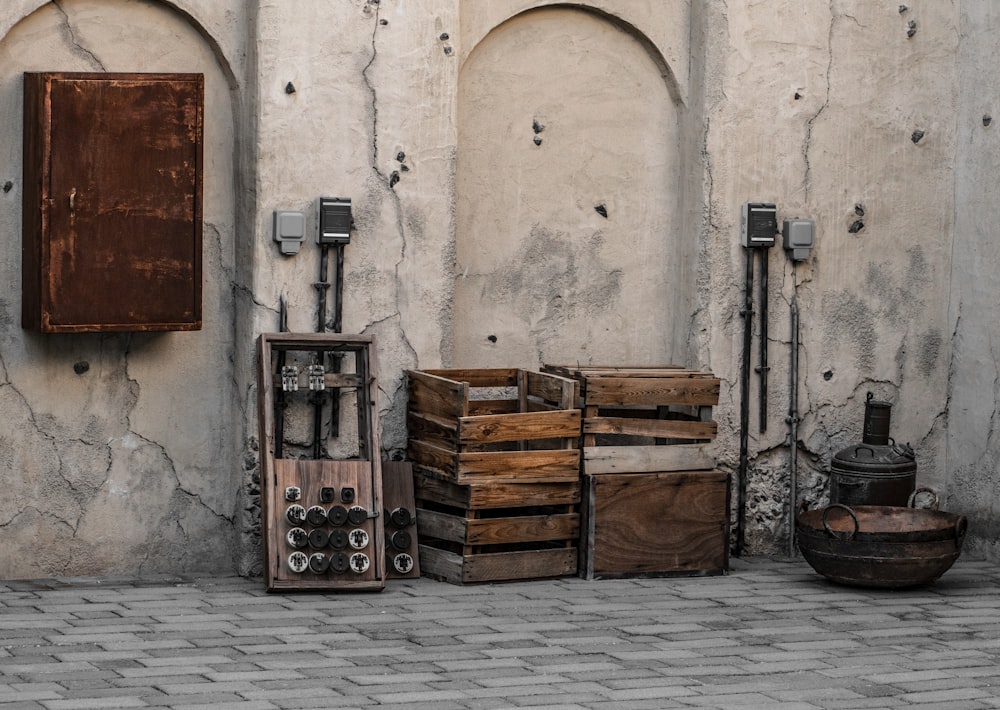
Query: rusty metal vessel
[880, 546]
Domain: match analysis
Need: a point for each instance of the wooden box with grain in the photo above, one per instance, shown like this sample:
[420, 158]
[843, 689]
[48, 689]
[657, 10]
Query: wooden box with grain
[497, 531]
[496, 473]
[645, 419]
[471, 426]
[655, 524]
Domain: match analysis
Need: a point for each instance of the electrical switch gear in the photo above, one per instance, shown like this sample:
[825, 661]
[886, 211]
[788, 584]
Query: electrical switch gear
[402, 563]
[401, 540]
[339, 562]
[327, 494]
[401, 517]
[316, 515]
[298, 562]
[318, 538]
[337, 515]
[360, 562]
[758, 224]
[357, 515]
[297, 538]
[338, 538]
[335, 220]
[318, 563]
[295, 514]
[293, 493]
[358, 538]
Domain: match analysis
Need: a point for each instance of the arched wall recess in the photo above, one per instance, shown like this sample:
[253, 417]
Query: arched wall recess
[568, 195]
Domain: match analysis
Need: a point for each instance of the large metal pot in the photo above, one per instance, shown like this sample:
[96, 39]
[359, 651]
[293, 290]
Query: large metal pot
[880, 546]
[878, 471]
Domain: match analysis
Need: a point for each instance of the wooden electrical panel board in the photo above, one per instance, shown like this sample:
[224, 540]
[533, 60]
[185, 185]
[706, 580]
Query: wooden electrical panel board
[321, 515]
[112, 202]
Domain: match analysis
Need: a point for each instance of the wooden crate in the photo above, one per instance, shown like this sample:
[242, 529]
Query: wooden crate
[653, 503]
[471, 426]
[644, 419]
[655, 524]
[496, 531]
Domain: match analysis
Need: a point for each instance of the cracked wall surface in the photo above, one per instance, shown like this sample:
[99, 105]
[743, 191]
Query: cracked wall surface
[118, 448]
[564, 177]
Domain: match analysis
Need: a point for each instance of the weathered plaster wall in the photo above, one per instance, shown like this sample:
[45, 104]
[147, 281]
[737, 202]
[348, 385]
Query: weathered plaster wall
[116, 451]
[973, 450]
[822, 110]
[841, 111]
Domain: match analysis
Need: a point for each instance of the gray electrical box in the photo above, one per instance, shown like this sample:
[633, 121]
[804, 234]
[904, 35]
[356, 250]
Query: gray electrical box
[335, 220]
[798, 237]
[289, 230]
[758, 224]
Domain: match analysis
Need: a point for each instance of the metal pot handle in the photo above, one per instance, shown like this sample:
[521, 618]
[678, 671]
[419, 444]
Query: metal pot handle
[866, 447]
[961, 525]
[935, 500]
[829, 530]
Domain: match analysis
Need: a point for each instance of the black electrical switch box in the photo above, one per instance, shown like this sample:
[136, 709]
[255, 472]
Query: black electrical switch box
[758, 224]
[335, 220]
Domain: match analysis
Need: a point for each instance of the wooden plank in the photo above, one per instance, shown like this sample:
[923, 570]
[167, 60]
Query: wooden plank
[438, 396]
[498, 531]
[652, 390]
[656, 524]
[515, 427]
[497, 567]
[439, 431]
[530, 564]
[657, 428]
[561, 391]
[640, 459]
[397, 496]
[549, 465]
[482, 496]
[467, 467]
[485, 377]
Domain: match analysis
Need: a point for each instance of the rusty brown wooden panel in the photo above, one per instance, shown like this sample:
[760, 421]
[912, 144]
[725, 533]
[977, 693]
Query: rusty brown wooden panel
[531, 564]
[558, 390]
[121, 200]
[652, 390]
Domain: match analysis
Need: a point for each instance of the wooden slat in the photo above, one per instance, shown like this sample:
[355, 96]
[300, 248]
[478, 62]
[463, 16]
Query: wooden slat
[639, 459]
[497, 567]
[549, 465]
[652, 390]
[482, 496]
[498, 531]
[561, 391]
[438, 396]
[485, 377]
[657, 428]
[515, 427]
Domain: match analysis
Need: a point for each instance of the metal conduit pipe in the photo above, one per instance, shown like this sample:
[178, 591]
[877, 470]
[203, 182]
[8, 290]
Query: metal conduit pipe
[793, 416]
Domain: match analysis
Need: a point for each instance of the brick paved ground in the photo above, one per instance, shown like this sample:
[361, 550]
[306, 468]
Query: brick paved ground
[772, 634]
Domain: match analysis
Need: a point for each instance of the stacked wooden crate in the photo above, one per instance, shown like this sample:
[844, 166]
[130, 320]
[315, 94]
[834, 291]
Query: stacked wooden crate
[653, 503]
[496, 463]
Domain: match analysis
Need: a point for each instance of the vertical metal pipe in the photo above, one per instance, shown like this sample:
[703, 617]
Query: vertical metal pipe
[279, 400]
[741, 483]
[762, 370]
[793, 419]
[318, 397]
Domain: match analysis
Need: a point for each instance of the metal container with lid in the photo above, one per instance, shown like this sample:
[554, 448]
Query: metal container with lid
[878, 471]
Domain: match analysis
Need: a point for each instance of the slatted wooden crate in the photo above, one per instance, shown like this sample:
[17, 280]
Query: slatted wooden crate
[496, 473]
[629, 413]
[489, 532]
[485, 425]
[652, 502]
